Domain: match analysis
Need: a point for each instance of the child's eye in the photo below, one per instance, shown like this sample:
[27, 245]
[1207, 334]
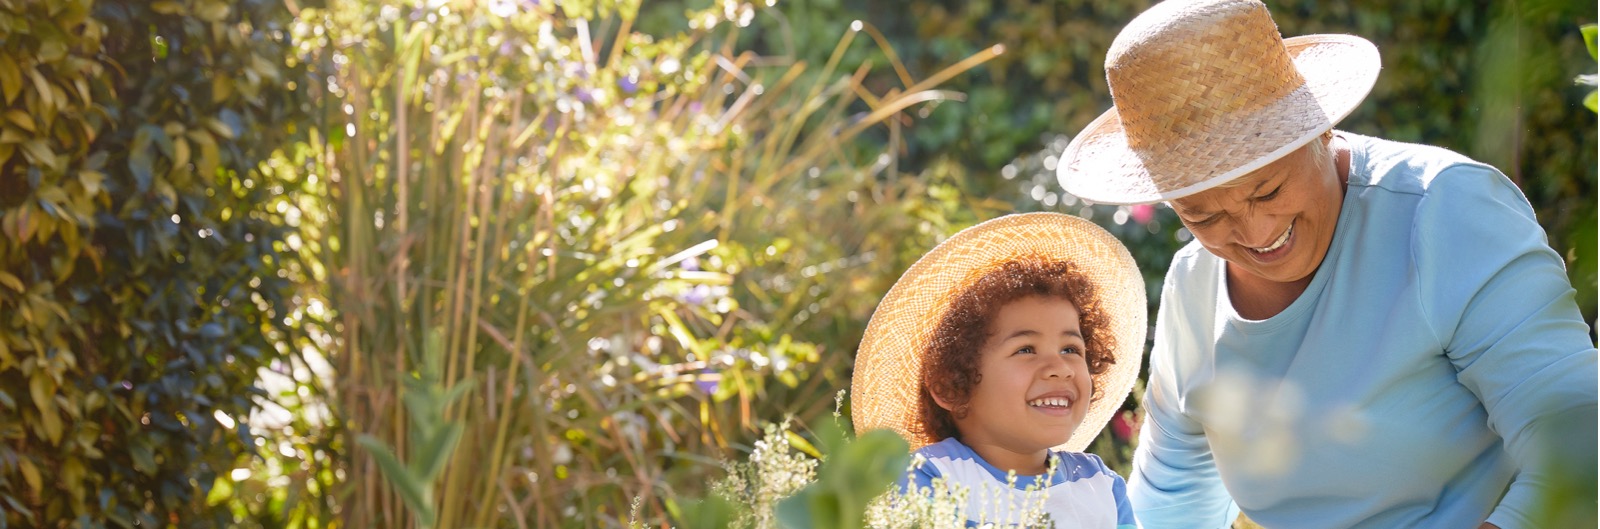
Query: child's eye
[1025, 350]
[1071, 351]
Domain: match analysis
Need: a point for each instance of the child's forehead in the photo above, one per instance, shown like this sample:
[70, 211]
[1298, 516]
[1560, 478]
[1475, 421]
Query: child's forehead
[1032, 307]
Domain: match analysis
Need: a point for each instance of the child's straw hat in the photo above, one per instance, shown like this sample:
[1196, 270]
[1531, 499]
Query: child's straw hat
[1206, 91]
[885, 390]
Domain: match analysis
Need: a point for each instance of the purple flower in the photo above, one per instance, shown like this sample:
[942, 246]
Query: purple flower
[707, 381]
[585, 95]
[628, 85]
[691, 264]
[698, 295]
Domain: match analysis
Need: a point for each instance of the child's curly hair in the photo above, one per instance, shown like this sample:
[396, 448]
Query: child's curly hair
[950, 365]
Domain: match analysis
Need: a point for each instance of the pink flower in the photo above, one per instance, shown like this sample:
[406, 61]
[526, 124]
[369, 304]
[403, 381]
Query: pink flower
[1125, 425]
[1142, 213]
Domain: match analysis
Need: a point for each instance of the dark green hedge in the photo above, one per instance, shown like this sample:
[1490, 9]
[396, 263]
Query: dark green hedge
[140, 290]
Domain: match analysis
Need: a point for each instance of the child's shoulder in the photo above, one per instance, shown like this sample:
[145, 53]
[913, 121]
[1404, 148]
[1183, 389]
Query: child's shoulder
[1079, 465]
[949, 449]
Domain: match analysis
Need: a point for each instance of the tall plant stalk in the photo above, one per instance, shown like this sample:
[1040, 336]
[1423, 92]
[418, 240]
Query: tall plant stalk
[611, 233]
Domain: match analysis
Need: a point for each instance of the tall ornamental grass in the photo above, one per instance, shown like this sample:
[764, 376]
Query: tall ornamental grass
[569, 266]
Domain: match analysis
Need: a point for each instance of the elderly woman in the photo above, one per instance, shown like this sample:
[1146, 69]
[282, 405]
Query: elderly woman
[1365, 333]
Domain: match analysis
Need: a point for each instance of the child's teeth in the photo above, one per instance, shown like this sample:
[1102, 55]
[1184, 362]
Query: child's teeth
[1051, 402]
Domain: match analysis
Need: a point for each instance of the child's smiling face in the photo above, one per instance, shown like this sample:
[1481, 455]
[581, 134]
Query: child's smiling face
[1035, 386]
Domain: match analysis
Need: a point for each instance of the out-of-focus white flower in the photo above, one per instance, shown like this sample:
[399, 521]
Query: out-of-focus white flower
[502, 8]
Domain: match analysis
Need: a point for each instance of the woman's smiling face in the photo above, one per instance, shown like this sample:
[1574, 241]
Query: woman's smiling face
[1275, 223]
[1035, 385]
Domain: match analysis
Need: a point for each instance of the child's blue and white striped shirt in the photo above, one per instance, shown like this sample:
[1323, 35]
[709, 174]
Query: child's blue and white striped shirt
[1081, 493]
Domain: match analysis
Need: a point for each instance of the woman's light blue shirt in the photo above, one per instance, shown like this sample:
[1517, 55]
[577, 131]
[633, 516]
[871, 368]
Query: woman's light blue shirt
[1410, 385]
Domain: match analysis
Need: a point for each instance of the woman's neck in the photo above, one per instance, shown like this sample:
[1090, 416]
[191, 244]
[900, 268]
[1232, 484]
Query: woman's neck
[1255, 298]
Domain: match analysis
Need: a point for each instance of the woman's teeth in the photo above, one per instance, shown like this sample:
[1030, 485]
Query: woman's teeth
[1278, 243]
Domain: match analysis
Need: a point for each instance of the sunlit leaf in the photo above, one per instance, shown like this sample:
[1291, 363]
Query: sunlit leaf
[7, 279]
[10, 78]
[30, 474]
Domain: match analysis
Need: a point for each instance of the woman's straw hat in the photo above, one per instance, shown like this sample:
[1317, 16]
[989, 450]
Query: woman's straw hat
[885, 390]
[1206, 91]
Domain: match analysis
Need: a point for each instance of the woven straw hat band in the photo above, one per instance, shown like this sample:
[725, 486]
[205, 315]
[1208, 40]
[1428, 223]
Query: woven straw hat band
[1173, 82]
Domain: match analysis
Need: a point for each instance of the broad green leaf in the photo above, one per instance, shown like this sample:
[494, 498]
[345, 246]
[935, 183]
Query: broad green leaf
[167, 7]
[30, 474]
[181, 155]
[221, 87]
[11, 281]
[209, 159]
[72, 471]
[436, 452]
[38, 152]
[410, 488]
[42, 389]
[93, 181]
[22, 119]
[221, 491]
[801, 444]
[212, 10]
[42, 87]
[461, 388]
[144, 458]
[141, 159]
[219, 128]
[10, 78]
[212, 331]
[1589, 39]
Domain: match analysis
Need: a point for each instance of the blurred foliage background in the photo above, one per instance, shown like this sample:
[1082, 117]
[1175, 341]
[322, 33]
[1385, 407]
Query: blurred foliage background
[554, 262]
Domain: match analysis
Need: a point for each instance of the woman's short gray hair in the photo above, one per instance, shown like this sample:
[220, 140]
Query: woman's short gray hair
[1320, 151]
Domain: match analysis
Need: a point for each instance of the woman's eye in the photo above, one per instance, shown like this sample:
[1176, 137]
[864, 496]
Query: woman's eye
[1270, 196]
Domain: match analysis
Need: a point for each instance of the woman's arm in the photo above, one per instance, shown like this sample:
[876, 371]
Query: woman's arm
[1499, 302]
[1174, 482]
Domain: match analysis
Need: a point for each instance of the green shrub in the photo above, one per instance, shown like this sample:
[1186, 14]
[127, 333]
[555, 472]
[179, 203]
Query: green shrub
[141, 286]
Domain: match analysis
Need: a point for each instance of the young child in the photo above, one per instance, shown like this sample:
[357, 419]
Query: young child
[999, 356]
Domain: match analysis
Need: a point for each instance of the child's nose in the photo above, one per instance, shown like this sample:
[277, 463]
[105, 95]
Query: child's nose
[1058, 368]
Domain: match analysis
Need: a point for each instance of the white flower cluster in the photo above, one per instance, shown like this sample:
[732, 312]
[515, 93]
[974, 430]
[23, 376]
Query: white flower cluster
[944, 505]
[775, 471]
